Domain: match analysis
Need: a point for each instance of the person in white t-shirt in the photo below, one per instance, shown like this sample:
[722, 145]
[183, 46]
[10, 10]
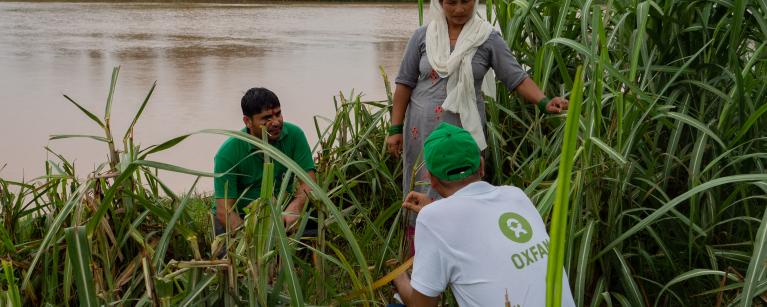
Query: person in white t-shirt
[488, 242]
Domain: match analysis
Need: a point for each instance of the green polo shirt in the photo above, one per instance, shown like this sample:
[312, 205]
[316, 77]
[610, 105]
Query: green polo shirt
[244, 168]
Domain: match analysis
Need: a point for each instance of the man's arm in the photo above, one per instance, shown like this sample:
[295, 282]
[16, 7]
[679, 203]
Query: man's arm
[226, 214]
[293, 211]
[225, 187]
[429, 265]
[410, 296]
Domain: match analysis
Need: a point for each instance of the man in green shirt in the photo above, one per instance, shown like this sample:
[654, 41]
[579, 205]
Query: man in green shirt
[242, 165]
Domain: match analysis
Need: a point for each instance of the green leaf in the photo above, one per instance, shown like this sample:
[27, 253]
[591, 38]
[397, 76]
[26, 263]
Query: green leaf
[165, 145]
[106, 201]
[110, 96]
[559, 221]
[642, 13]
[162, 245]
[420, 12]
[12, 295]
[53, 230]
[87, 113]
[694, 123]
[584, 254]
[710, 88]
[172, 168]
[79, 255]
[198, 290]
[628, 281]
[129, 132]
[69, 136]
[750, 122]
[676, 201]
[572, 44]
[756, 266]
[285, 250]
[612, 153]
[690, 275]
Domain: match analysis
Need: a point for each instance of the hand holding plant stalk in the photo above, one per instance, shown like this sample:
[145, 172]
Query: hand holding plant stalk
[556, 105]
[415, 201]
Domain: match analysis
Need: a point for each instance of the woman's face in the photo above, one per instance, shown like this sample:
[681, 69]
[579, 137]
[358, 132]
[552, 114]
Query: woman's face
[458, 12]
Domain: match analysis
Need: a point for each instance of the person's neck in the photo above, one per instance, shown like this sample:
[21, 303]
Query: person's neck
[453, 30]
[447, 191]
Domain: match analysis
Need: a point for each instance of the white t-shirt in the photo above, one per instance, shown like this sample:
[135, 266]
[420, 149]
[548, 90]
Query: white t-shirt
[484, 241]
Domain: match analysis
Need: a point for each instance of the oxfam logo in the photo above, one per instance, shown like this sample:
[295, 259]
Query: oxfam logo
[515, 227]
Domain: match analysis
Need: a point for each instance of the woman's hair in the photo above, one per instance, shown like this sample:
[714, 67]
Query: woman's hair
[257, 100]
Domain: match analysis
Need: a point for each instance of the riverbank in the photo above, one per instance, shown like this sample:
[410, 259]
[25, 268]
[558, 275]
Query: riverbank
[218, 1]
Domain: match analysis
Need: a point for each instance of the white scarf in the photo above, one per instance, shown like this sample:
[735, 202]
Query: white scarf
[461, 97]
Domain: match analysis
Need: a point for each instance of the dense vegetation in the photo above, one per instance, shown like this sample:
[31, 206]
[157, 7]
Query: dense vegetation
[666, 201]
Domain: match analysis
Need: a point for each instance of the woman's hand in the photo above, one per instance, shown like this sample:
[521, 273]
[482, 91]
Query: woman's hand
[394, 143]
[557, 105]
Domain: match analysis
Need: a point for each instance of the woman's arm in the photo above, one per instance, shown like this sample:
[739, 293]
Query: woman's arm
[401, 100]
[515, 78]
[530, 92]
[406, 80]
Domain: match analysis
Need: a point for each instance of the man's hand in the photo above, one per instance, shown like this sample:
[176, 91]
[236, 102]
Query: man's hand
[292, 213]
[415, 201]
[557, 105]
[290, 218]
[394, 144]
[225, 213]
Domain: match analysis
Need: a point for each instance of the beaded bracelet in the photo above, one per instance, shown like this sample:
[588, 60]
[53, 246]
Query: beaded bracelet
[396, 129]
[542, 104]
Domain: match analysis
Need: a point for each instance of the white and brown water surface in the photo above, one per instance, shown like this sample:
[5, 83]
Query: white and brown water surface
[203, 56]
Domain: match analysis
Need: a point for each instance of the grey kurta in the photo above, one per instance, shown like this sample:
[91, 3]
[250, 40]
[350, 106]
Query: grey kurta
[425, 111]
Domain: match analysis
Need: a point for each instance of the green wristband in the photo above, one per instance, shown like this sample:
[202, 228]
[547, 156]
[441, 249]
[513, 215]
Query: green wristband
[542, 104]
[396, 129]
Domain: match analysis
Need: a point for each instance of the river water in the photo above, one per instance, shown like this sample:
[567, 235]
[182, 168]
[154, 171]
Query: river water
[203, 57]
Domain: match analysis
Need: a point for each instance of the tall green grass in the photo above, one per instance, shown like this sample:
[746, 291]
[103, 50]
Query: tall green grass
[668, 191]
[558, 231]
[665, 204]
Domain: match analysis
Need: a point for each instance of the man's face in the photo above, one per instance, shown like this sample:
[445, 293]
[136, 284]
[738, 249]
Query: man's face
[269, 120]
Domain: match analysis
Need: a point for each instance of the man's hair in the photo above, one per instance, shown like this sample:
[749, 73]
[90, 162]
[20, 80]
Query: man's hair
[257, 100]
[460, 182]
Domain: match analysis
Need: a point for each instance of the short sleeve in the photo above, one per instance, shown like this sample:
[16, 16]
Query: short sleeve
[506, 67]
[302, 154]
[430, 269]
[225, 185]
[408, 68]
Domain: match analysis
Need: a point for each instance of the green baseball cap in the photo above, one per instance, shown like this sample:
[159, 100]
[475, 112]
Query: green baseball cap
[451, 153]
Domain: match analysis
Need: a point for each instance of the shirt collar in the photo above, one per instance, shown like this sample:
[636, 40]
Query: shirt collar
[475, 188]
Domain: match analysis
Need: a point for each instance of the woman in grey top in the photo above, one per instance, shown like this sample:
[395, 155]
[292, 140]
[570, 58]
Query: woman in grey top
[444, 83]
